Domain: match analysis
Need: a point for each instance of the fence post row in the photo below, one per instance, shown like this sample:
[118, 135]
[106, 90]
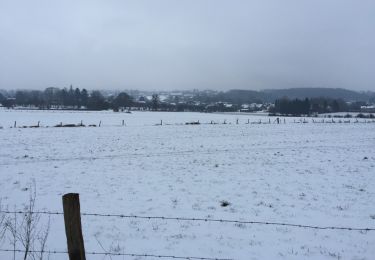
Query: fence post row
[73, 228]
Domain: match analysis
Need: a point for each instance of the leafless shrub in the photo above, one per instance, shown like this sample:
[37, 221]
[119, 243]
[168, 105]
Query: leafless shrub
[11, 226]
[102, 247]
[114, 248]
[41, 241]
[2, 223]
[27, 230]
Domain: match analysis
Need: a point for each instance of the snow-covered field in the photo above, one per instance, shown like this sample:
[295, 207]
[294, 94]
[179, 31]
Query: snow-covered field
[312, 174]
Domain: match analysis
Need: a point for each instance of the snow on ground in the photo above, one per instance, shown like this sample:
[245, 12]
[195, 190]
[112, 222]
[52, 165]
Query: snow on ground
[314, 174]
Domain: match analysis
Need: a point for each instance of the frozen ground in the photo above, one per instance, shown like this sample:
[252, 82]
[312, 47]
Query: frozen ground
[315, 174]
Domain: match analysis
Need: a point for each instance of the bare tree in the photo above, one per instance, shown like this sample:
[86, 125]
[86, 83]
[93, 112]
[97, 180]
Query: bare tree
[155, 102]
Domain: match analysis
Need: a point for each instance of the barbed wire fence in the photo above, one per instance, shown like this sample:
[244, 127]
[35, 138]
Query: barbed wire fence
[69, 217]
[249, 222]
[54, 252]
[262, 121]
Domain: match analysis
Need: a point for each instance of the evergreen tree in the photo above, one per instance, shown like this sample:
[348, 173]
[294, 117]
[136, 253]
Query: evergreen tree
[71, 96]
[64, 97]
[84, 97]
[77, 98]
[2, 98]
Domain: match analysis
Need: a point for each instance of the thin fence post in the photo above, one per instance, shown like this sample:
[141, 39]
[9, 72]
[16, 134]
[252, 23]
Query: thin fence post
[73, 228]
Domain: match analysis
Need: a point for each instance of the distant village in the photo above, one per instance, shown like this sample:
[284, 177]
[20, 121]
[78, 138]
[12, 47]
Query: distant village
[242, 101]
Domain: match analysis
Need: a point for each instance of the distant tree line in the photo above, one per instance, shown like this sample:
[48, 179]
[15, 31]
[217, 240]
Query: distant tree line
[72, 98]
[292, 107]
[231, 101]
[75, 98]
[307, 106]
[50, 97]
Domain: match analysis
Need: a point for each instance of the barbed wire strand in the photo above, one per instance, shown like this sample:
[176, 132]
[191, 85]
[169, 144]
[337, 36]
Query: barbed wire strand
[201, 220]
[116, 254]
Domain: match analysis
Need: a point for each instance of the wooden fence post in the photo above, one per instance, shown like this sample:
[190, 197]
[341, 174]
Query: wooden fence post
[73, 228]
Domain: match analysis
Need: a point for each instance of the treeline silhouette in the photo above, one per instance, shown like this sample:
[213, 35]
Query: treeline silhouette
[72, 98]
[75, 98]
[307, 106]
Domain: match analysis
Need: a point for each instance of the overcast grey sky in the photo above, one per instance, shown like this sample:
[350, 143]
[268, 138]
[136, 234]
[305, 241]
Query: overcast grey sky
[186, 44]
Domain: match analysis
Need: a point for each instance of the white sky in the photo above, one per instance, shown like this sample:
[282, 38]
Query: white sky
[186, 44]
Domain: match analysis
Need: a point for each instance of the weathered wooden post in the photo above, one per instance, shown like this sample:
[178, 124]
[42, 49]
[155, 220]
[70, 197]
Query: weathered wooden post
[73, 228]
[123, 122]
[15, 124]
